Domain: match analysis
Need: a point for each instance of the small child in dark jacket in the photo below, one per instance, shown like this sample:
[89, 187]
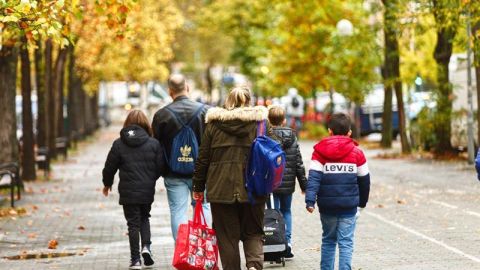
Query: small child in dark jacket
[139, 157]
[294, 169]
[339, 181]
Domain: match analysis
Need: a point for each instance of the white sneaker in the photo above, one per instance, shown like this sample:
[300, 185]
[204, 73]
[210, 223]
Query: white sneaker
[147, 258]
[252, 268]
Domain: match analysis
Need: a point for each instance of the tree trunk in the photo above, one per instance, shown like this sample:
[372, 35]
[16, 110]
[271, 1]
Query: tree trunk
[42, 123]
[51, 123]
[402, 123]
[28, 149]
[72, 94]
[88, 114]
[8, 76]
[476, 55]
[82, 117]
[391, 56]
[59, 81]
[443, 115]
[209, 79]
[94, 106]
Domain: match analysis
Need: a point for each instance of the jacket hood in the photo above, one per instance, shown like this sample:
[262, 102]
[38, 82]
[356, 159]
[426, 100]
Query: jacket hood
[286, 135]
[335, 148]
[134, 135]
[235, 122]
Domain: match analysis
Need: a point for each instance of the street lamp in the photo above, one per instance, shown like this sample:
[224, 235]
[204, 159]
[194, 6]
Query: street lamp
[344, 29]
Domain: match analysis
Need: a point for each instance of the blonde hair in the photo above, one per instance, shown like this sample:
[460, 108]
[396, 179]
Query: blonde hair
[238, 97]
[137, 117]
[276, 115]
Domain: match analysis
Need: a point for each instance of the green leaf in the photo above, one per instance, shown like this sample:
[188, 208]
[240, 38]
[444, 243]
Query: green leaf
[10, 18]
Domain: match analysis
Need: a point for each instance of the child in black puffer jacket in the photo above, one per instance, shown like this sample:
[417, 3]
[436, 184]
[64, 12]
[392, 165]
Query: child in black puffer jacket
[139, 157]
[294, 169]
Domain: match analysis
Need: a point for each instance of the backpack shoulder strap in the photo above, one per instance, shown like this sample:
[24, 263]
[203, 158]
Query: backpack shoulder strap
[197, 112]
[175, 115]
[261, 128]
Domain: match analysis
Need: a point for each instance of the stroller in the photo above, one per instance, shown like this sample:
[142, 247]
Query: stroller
[275, 244]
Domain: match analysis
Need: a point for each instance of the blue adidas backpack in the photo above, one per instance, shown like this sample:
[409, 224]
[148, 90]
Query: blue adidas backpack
[184, 151]
[266, 163]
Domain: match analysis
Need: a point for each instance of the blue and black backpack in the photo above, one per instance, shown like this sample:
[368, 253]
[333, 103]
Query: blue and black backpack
[184, 151]
[266, 163]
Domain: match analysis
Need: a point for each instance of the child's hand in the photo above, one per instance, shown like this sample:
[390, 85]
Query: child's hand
[310, 209]
[105, 191]
[198, 195]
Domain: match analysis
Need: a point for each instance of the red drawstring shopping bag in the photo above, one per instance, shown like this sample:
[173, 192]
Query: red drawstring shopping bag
[196, 247]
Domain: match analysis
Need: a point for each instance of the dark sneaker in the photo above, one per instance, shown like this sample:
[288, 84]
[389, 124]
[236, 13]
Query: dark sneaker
[147, 257]
[288, 253]
[135, 265]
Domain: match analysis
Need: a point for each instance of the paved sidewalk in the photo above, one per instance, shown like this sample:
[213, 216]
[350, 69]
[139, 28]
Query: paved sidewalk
[422, 215]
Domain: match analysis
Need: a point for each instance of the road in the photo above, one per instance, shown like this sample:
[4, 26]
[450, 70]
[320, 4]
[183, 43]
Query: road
[421, 215]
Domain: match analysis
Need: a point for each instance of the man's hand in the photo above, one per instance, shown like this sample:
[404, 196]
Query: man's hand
[198, 196]
[310, 209]
[106, 190]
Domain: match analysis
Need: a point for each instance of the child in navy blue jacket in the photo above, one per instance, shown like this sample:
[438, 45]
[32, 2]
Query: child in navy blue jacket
[339, 181]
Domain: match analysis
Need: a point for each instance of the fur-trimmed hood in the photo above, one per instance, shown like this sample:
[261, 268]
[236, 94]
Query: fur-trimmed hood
[238, 122]
[244, 114]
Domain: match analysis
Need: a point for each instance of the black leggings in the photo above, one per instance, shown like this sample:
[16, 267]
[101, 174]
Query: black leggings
[137, 216]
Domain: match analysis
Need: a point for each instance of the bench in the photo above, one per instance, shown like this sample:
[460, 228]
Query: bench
[9, 178]
[61, 145]
[43, 160]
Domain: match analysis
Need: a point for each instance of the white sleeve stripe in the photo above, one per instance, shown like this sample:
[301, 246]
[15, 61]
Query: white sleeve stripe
[316, 166]
[363, 170]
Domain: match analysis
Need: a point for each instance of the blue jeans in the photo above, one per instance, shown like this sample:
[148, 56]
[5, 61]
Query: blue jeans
[283, 202]
[179, 192]
[337, 230]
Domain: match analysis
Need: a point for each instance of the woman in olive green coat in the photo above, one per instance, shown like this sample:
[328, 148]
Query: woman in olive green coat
[220, 167]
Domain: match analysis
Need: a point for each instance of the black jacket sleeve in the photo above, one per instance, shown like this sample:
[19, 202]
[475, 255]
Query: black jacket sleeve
[203, 161]
[160, 161]
[156, 127]
[300, 169]
[364, 189]
[111, 165]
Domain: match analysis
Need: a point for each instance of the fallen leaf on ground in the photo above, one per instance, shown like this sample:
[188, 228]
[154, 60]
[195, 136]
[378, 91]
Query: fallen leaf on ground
[401, 202]
[30, 223]
[34, 207]
[380, 206]
[32, 235]
[81, 228]
[52, 244]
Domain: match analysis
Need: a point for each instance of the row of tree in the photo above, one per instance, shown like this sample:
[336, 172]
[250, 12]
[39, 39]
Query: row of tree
[440, 28]
[283, 43]
[74, 45]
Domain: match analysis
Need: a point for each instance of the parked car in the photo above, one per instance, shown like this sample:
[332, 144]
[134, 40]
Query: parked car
[371, 112]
